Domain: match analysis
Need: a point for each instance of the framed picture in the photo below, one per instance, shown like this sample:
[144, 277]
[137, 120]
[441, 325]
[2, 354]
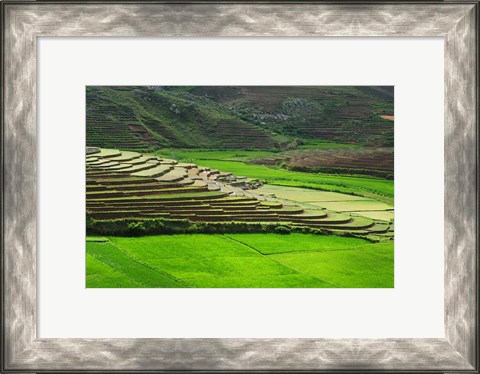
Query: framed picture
[210, 186]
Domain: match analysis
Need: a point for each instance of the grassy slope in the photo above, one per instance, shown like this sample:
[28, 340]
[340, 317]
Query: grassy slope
[241, 260]
[352, 111]
[195, 123]
[346, 108]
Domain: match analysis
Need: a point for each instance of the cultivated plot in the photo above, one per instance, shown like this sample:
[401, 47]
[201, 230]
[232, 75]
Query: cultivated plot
[240, 260]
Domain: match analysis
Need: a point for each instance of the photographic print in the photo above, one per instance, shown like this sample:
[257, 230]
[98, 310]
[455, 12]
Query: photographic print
[240, 186]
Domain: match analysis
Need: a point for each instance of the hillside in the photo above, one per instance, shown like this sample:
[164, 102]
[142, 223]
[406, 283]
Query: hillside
[341, 114]
[242, 117]
[143, 118]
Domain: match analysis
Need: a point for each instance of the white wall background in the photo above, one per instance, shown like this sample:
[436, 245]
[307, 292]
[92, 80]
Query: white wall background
[414, 308]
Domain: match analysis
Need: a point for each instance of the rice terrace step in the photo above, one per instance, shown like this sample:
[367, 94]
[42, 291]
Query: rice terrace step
[233, 187]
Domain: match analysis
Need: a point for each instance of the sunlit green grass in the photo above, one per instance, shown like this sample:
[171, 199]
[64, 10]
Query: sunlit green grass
[100, 273]
[125, 268]
[271, 243]
[239, 260]
[191, 245]
[347, 268]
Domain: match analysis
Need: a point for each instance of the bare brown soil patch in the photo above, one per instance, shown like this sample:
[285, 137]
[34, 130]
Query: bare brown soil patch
[368, 158]
[390, 118]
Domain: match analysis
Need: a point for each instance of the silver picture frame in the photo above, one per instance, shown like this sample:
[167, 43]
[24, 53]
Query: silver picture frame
[24, 22]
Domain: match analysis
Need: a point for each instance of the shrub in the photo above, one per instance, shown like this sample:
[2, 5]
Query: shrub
[157, 226]
[284, 230]
[136, 228]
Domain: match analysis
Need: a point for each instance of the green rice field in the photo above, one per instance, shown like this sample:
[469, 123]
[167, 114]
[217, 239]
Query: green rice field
[238, 260]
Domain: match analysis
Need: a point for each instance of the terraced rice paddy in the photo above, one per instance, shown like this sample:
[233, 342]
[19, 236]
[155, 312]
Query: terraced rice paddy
[144, 119]
[122, 125]
[131, 185]
[377, 161]
[333, 201]
[382, 215]
[377, 188]
[239, 260]
[305, 194]
[340, 114]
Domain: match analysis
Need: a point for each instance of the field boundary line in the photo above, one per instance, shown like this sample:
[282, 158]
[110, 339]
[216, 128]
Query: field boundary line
[245, 244]
[320, 251]
[134, 259]
[308, 275]
[115, 271]
[281, 263]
